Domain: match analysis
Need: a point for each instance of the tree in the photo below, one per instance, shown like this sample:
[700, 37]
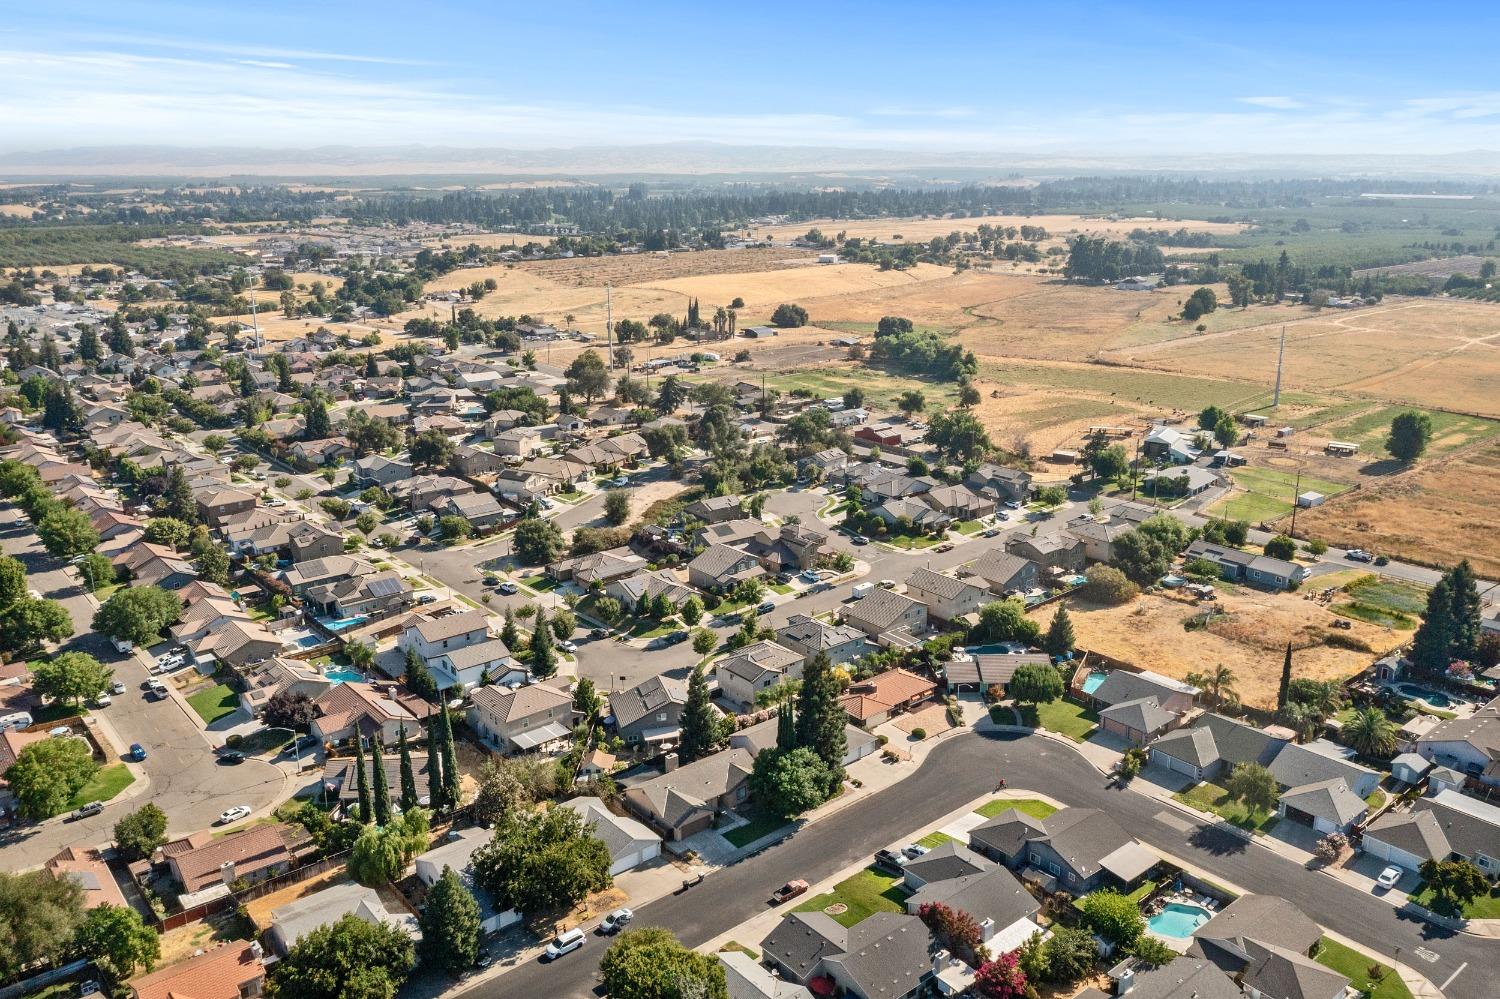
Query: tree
[1145, 553]
[409, 797]
[704, 641]
[435, 782]
[1001, 978]
[66, 532]
[1036, 683]
[1284, 691]
[137, 614]
[1069, 954]
[821, 720]
[419, 679]
[47, 774]
[650, 963]
[177, 497]
[1108, 586]
[212, 563]
[431, 448]
[1199, 304]
[380, 791]
[1210, 417]
[1110, 463]
[1005, 621]
[1432, 645]
[381, 853]
[1254, 785]
[289, 709]
[139, 833]
[854, 398]
[349, 959]
[12, 580]
[539, 861]
[1465, 609]
[543, 654]
[1060, 638]
[1370, 733]
[538, 542]
[617, 507]
[1152, 951]
[956, 929]
[1281, 547]
[671, 395]
[116, 939]
[1328, 848]
[450, 925]
[454, 528]
[362, 780]
[691, 611]
[788, 782]
[911, 402]
[788, 315]
[29, 622]
[700, 719]
[71, 677]
[501, 793]
[1132, 761]
[1113, 916]
[1410, 433]
[452, 782]
[39, 916]
[587, 376]
[1454, 883]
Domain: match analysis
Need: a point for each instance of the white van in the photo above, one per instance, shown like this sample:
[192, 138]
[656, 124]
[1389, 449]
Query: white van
[18, 720]
[565, 943]
[861, 589]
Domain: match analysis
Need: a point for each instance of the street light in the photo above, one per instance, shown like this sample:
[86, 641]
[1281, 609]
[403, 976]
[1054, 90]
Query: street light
[296, 743]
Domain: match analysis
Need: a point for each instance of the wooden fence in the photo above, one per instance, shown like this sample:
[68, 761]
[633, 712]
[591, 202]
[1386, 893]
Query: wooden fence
[236, 899]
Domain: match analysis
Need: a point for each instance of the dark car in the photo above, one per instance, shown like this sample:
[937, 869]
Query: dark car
[676, 637]
[890, 860]
[137, 752]
[490, 579]
[231, 757]
[944, 547]
[599, 633]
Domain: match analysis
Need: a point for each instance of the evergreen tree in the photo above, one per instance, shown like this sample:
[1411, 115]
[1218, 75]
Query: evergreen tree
[1433, 642]
[435, 783]
[316, 425]
[409, 798]
[1465, 610]
[786, 727]
[508, 631]
[820, 720]
[1283, 694]
[543, 654]
[419, 678]
[700, 720]
[379, 789]
[362, 779]
[372, 370]
[178, 497]
[1060, 638]
[450, 925]
[452, 794]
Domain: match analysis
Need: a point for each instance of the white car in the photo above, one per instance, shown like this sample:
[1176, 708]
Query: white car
[616, 920]
[103, 701]
[1389, 877]
[568, 646]
[233, 814]
[275, 501]
[117, 688]
[565, 943]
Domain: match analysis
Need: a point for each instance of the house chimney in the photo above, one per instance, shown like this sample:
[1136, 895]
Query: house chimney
[939, 961]
[669, 763]
[1125, 982]
[226, 871]
[986, 928]
[256, 950]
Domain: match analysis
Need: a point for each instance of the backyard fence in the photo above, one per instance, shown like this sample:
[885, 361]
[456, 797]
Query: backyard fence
[236, 899]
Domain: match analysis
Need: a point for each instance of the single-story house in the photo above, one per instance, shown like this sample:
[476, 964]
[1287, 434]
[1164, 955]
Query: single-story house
[1327, 806]
[458, 853]
[720, 567]
[1446, 825]
[1083, 848]
[686, 800]
[630, 843]
[1247, 567]
[1469, 745]
[885, 695]
[233, 970]
[1126, 685]
[293, 921]
[1138, 721]
[1213, 744]
[1321, 760]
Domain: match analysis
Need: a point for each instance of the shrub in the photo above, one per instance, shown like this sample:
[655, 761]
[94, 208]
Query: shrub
[234, 740]
[1108, 585]
[919, 733]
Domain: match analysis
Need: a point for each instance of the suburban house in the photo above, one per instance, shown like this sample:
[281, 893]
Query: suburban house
[885, 695]
[811, 637]
[788, 548]
[649, 711]
[630, 589]
[457, 853]
[1445, 825]
[1098, 536]
[947, 599]
[744, 978]
[249, 855]
[476, 461]
[374, 595]
[341, 779]
[1169, 444]
[715, 509]
[686, 800]
[947, 860]
[720, 567]
[468, 667]
[528, 718]
[887, 955]
[996, 899]
[274, 676]
[324, 570]
[762, 735]
[1327, 806]
[435, 636]
[378, 470]
[231, 970]
[1469, 745]
[630, 843]
[1081, 848]
[1180, 978]
[1267, 919]
[983, 670]
[1003, 572]
[600, 567]
[481, 510]
[745, 672]
[917, 514]
[85, 867]
[1008, 484]
[959, 502]
[1321, 760]
[1138, 721]
[293, 921]
[1246, 567]
[881, 612]
[1213, 744]
[308, 539]
[369, 709]
[216, 505]
[1125, 685]
[1050, 551]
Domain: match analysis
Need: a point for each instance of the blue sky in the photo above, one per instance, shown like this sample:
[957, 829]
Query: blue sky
[1046, 77]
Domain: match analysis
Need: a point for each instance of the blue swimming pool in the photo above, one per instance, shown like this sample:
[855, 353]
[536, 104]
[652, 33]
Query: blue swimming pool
[1178, 920]
[1093, 682]
[1436, 698]
[310, 641]
[339, 676]
[342, 623]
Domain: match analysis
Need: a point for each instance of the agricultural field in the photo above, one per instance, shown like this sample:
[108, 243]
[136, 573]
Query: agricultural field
[1249, 637]
[921, 230]
[1264, 494]
[1450, 431]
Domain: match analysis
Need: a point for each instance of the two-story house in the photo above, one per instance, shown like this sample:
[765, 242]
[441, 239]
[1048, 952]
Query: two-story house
[526, 719]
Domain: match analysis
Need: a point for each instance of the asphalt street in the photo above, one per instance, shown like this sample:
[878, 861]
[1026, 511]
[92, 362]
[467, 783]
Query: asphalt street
[965, 768]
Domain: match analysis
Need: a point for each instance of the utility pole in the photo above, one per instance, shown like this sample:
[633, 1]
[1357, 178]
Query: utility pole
[1135, 470]
[255, 321]
[1296, 491]
[1280, 355]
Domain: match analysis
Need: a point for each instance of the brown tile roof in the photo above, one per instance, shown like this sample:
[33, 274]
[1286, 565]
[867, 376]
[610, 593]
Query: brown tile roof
[218, 974]
[884, 691]
[250, 851]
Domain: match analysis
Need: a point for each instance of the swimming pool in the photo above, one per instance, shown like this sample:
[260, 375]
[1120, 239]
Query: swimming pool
[339, 676]
[341, 623]
[1093, 682]
[1178, 919]
[1436, 698]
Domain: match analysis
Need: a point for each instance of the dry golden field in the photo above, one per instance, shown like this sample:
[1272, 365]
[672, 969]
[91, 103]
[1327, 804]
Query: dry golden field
[18, 211]
[1250, 639]
[913, 230]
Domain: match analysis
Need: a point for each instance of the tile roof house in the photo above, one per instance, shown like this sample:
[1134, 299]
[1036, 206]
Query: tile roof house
[85, 868]
[369, 709]
[715, 509]
[650, 711]
[265, 680]
[745, 672]
[688, 799]
[959, 502]
[1083, 848]
[229, 971]
[250, 855]
[528, 718]
[600, 567]
[947, 598]
[876, 700]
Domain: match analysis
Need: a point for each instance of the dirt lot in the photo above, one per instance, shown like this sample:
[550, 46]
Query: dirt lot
[1250, 639]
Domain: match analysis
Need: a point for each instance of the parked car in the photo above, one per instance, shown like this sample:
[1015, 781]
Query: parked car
[993, 532]
[859, 539]
[809, 575]
[490, 579]
[887, 584]
[231, 757]
[913, 850]
[103, 701]
[620, 481]
[275, 501]
[90, 988]
[484, 960]
[117, 688]
[599, 633]
[508, 588]
[137, 752]
[427, 598]
[675, 638]
[568, 646]
[1359, 555]
[92, 808]
[564, 943]
[946, 546]
[156, 690]
[616, 920]
[890, 860]
[233, 814]
[1012, 505]
[1388, 877]
[766, 607]
[788, 891]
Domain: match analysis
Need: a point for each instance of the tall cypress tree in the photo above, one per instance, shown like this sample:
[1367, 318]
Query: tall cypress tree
[786, 726]
[362, 778]
[379, 788]
[409, 797]
[451, 790]
[700, 720]
[1466, 610]
[434, 768]
[543, 654]
[1284, 693]
[820, 721]
[1432, 645]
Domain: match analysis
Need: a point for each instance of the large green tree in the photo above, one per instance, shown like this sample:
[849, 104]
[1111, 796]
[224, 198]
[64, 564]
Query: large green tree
[12, 580]
[1036, 683]
[137, 614]
[541, 861]
[1370, 732]
[71, 677]
[821, 719]
[1004, 621]
[650, 963]
[27, 623]
[1145, 553]
[788, 782]
[1455, 883]
[349, 959]
[1114, 916]
[39, 917]
[538, 542]
[1254, 785]
[118, 941]
[450, 925]
[139, 833]
[700, 719]
[47, 774]
[587, 376]
[1410, 433]
[1060, 638]
[66, 532]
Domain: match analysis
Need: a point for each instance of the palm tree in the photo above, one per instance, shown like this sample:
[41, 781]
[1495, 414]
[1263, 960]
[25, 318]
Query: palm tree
[1300, 717]
[1218, 681]
[1370, 732]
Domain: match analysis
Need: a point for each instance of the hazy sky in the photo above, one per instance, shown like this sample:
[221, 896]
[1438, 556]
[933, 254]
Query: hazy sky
[1166, 78]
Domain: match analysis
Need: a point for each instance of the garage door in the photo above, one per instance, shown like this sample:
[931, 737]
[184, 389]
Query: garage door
[1174, 765]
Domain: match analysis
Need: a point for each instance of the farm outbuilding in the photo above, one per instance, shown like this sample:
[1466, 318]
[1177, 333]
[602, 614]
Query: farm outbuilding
[1310, 499]
[1342, 449]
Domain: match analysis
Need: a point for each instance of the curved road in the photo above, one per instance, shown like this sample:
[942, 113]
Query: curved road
[965, 768]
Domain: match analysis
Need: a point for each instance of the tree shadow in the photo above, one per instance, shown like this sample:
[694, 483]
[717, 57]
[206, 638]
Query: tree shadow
[1218, 841]
[1384, 466]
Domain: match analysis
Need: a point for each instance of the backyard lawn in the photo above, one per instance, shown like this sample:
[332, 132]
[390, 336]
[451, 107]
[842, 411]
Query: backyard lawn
[1026, 806]
[1483, 907]
[759, 824]
[1356, 967]
[1213, 798]
[1063, 717]
[107, 783]
[862, 895]
[213, 703]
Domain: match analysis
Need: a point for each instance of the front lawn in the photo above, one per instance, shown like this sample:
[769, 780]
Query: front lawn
[934, 839]
[213, 703]
[1212, 798]
[782, 588]
[1483, 907]
[647, 628]
[1356, 967]
[1026, 806]
[910, 542]
[968, 528]
[862, 894]
[1063, 717]
[104, 785]
[541, 583]
[759, 824]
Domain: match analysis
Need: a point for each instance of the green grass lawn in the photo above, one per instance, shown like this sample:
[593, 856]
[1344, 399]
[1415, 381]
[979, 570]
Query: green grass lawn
[1383, 602]
[541, 582]
[910, 542]
[1213, 798]
[1026, 806]
[736, 945]
[782, 588]
[760, 824]
[1269, 493]
[647, 628]
[1063, 717]
[1376, 799]
[1450, 431]
[968, 528]
[935, 839]
[104, 785]
[213, 703]
[865, 893]
[1356, 967]
[1483, 907]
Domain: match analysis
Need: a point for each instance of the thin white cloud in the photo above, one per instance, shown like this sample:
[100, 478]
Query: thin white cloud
[248, 51]
[902, 111]
[1279, 103]
[265, 64]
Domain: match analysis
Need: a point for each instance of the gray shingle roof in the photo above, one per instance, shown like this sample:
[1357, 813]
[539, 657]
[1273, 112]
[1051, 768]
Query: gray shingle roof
[950, 860]
[1124, 685]
[1297, 765]
[1143, 714]
[630, 706]
[1330, 800]
[1267, 918]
